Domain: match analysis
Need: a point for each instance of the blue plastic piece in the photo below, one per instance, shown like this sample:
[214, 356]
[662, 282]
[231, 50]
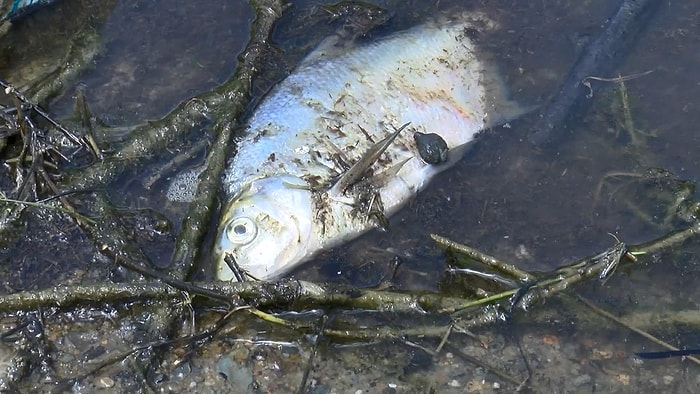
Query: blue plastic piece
[20, 8]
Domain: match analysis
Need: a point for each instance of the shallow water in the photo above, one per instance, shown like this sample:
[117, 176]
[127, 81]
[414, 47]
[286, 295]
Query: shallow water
[537, 209]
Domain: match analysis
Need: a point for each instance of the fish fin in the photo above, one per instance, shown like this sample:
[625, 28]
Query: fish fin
[331, 47]
[500, 107]
[356, 19]
[357, 171]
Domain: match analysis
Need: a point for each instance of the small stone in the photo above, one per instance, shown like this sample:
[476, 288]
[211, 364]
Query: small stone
[623, 378]
[581, 380]
[237, 374]
[105, 382]
[240, 355]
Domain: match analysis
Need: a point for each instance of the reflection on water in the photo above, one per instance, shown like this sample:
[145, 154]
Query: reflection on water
[533, 208]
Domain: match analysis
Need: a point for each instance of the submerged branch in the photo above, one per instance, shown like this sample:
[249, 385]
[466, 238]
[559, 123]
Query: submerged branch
[491, 262]
[667, 241]
[303, 294]
[223, 103]
[261, 294]
[234, 94]
[597, 59]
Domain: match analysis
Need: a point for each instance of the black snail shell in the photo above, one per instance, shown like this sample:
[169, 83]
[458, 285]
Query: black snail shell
[431, 147]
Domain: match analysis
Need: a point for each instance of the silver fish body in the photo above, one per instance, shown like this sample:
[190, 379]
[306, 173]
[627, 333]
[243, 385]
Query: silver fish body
[283, 199]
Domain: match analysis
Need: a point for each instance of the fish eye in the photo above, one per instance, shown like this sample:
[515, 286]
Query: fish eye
[241, 231]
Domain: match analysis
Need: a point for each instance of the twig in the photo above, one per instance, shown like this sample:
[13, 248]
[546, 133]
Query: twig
[641, 332]
[259, 294]
[666, 241]
[443, 341]
[41, 205]
[9, 89]
[619, 79]
[491, 262]
[600, 265]
[312, 356]
[496, 371]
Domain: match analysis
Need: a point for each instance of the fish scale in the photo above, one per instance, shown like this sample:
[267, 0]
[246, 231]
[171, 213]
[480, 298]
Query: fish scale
[336, 105]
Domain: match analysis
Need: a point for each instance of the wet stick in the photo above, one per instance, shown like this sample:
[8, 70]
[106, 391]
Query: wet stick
[598, 58]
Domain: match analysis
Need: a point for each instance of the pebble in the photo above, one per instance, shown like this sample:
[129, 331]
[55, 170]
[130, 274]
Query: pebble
[581, 380]
[104, 382]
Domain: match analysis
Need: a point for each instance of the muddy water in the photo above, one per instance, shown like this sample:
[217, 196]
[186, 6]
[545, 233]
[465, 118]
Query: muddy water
[536, 208]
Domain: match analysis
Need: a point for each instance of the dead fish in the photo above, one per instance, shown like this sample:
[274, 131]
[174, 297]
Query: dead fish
[325, 156]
